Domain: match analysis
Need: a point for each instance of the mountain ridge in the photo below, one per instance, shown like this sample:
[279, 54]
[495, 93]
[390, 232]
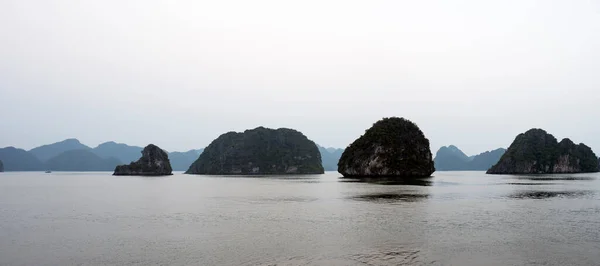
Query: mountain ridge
[81, 160]
[451, 158]
[45, 152]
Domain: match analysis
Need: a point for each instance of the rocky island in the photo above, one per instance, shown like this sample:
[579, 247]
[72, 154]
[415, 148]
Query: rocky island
[154, 162]
[537, 152]
[260, 151]
[393, 148]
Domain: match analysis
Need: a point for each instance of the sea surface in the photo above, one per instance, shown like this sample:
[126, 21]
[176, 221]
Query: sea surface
[454, 218]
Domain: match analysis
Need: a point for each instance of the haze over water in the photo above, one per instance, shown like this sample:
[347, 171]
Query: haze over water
[455, 218]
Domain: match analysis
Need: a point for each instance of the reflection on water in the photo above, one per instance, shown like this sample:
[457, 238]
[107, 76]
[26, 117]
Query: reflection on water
[390, 197]
[531, 184]
[391, 181]
[550, 194]
[454, 218]
[277, 177]
[285, 199]
[555, 178]
[400, 256]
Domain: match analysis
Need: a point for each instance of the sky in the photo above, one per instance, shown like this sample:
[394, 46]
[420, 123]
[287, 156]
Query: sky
[180, 73]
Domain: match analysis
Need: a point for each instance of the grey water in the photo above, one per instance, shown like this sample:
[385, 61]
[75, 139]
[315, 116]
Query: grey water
[454, 218]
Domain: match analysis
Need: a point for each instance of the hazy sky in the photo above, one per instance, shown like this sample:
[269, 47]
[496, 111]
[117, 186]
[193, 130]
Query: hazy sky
[180, 73]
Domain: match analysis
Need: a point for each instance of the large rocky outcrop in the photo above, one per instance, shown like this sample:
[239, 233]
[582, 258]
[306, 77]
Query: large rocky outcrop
[392, 148]
[1, 167]
[260, 151]
[154, 162]
[537, 152]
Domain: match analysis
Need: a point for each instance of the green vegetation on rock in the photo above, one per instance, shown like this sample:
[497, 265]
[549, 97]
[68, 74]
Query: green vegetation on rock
[537, 152]
[392, 147]
[260, 151]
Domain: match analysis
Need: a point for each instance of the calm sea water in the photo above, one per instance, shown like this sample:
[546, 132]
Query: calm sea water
[455, 218]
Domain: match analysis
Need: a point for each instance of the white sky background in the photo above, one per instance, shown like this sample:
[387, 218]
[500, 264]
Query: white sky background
[180, 73]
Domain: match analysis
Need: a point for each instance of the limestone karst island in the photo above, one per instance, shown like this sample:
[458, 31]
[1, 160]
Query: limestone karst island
[154, 162]
[391, 148]
[259, 151]
[537, 152]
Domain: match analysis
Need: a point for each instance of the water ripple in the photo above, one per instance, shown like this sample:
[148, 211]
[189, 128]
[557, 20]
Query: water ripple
[390, 197]
[550, 194]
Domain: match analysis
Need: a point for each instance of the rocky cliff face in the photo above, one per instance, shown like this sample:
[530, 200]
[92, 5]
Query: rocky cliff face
[537, 152]
[259, 151]
[393, 147]
[154, 162]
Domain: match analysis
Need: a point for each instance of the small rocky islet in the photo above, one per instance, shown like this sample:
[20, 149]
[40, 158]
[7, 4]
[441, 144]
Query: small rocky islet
[538, 152]
[259, 151]
[1, 167]
[393, 148]
[154, 162]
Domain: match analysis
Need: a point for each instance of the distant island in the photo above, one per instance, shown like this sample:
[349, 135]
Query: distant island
[154, 162]
[20, 160]
[46, 152]
[55, 157]
[259, 151]
[123, 152]
[452, 158]
[72, 155]
[391, 148]
[330, 158]
[181, 161]
[538, 152]
[80, 160]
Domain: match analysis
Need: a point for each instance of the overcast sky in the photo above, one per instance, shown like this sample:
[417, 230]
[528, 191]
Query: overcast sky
[179, 73]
